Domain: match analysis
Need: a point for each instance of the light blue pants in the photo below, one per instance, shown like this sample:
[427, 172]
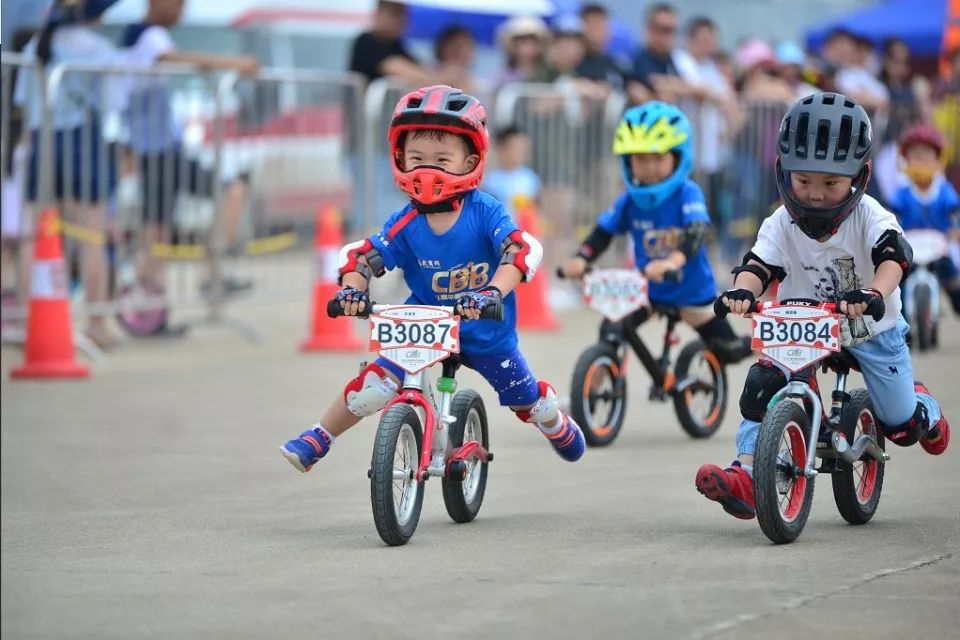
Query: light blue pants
[885, 364]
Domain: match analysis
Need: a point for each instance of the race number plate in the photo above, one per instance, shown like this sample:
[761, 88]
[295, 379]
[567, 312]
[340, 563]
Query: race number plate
[796, 336]
[414, 337]
[615, 293]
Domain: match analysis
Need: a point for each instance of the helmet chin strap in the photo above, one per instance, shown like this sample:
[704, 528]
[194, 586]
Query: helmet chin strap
[448, 204]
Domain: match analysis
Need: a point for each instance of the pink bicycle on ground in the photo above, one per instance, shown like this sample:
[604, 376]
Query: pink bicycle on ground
[422, 434]
[796, 429]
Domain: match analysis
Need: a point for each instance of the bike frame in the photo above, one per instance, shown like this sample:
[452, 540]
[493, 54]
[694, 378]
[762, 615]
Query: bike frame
[435, 452]
[798, 389]
[659, 368]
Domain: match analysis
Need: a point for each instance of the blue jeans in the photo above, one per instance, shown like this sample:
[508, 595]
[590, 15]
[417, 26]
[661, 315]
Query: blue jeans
[885, 364]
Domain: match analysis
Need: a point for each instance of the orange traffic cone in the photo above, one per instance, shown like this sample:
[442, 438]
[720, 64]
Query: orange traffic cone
[328, 334]
[533, 311]
[49, 351]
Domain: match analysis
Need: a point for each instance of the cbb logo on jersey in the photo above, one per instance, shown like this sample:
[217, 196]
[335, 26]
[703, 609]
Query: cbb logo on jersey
[658, 243]
[448, 285]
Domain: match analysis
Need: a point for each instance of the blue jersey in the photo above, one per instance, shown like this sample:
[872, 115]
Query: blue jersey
[439, 268]
[657, 232]
[939, 211]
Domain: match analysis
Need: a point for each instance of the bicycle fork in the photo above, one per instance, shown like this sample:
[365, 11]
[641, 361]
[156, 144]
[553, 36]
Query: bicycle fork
[798, 389]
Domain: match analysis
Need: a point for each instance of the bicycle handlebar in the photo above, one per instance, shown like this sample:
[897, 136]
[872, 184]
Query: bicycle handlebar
[875, 308]
[334, 310]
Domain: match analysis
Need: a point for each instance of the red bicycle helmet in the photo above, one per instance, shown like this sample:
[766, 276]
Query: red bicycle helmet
[922, 133]
[444, 108]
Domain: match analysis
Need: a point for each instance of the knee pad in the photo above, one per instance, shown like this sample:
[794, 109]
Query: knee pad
[545, 409]
[763, 380]
[369, 392]
[720, 338]
[910, 431]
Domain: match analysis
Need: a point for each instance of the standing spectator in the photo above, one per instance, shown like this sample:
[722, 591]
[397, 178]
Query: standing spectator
[523, 40]
[854, 79]
[512, 181]
[156, 138]
[793, 62]
[907, 106]
[455, 50]
[710, 103]
[84, 167]
[654, 74]
[946, 113]
[759, 75]
[380, 51]
[597, 65]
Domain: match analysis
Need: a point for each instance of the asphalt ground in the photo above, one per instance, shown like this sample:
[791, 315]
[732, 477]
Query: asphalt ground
[150, 501]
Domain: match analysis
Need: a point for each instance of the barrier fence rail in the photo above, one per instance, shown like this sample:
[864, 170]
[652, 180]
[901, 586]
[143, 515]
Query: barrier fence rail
[181, 191]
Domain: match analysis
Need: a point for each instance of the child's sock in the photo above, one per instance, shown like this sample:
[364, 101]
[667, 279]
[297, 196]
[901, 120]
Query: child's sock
[329, 437]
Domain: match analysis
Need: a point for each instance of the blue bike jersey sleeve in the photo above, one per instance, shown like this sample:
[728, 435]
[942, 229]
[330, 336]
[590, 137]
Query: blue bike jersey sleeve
[657, 232]
[938, 211]
[439, 268]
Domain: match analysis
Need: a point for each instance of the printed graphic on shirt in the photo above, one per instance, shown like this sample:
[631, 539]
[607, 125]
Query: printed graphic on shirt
[831, 282]
[447, 285]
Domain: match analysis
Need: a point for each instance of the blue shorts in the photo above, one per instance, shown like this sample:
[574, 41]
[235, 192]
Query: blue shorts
[84, 166]
[884, 361]
[508, 374]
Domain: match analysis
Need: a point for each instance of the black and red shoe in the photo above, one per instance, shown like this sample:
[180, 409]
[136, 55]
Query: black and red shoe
[937, 437]
[731, 487]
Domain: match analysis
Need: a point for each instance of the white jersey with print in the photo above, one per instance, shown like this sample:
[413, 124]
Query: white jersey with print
[826, 270]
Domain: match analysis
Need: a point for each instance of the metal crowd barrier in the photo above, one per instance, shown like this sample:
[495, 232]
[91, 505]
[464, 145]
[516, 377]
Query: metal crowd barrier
[195, 188]
[571, 138]
[187, 188]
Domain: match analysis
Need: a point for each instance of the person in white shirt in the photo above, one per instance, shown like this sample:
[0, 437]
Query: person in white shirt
[156, 137]
[829, 242]
[83, 164]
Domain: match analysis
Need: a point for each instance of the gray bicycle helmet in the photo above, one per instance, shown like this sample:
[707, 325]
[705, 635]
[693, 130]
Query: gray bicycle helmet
[824, 133]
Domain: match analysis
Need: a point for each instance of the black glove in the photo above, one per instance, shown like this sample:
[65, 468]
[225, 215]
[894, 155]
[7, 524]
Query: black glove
[870, 297]
[349, 294]
[861, 296]
[721, 310]
[479, 299]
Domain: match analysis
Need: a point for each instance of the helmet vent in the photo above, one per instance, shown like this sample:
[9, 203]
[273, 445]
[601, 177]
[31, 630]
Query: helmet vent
[785, 135]
[456, 105]
[849, 104]
[803, 123]
[822, 142]
[829, 98]
[414, 103]
[674, 120]
[807, 100]
[863, 141]
[843, 141]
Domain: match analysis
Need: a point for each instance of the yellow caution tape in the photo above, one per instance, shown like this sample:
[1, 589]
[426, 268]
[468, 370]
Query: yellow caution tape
[81, 233]
[272, 244]
[179, 251]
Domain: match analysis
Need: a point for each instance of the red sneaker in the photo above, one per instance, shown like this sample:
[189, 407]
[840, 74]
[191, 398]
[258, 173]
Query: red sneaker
[936, 439]
[731, 487]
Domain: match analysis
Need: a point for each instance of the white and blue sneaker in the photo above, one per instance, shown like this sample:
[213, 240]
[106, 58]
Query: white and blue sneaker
[304, 451]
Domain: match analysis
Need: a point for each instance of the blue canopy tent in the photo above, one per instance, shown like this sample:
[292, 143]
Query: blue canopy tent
[919, 23]
[483, 17]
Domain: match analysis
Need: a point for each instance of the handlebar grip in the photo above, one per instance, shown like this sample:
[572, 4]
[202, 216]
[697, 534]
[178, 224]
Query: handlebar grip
[722, 311]
[334, 310]
[492, 312]
[673, 275]
[877, 308]
[719, 309]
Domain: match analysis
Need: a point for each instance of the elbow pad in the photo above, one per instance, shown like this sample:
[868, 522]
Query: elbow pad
[595, 244]
[766, 277]
[528, 258]
[693, 238]
[892, 246]
[350, 260]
